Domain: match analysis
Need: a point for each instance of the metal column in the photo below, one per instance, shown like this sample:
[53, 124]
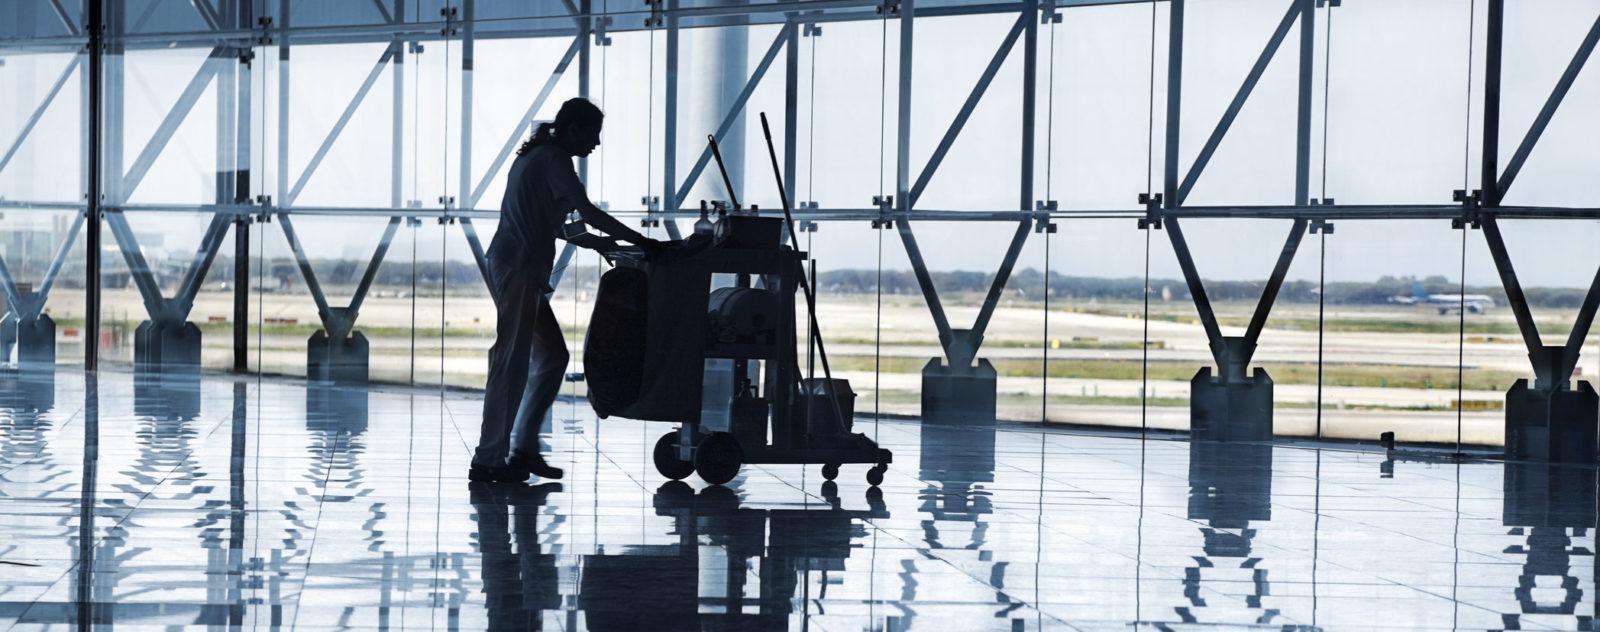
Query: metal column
[93, 128]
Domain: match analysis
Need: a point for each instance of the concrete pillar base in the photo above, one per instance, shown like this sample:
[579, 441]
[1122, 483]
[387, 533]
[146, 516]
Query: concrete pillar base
[339, 362]
[957, 395]
[164, 346]
[1556, 426]
[36, 342]
[1230, 410]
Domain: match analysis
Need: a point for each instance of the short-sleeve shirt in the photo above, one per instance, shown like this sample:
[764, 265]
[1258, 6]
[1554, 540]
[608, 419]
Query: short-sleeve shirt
[541, 189]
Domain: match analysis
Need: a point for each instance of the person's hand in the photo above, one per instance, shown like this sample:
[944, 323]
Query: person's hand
[652, 247]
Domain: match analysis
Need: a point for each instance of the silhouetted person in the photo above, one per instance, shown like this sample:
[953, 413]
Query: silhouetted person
[541, 191]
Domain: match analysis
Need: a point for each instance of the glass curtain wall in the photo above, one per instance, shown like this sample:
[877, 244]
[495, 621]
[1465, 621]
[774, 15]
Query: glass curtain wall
[277, 175]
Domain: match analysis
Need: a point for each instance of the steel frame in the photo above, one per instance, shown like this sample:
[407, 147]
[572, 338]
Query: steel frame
[1175, 191]
[1495, 183]
[230, 31]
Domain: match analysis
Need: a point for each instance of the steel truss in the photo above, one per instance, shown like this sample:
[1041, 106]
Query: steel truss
[234, 30]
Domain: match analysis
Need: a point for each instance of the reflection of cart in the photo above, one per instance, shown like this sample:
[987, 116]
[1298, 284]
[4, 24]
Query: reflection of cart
[699, 581]
[718, 352]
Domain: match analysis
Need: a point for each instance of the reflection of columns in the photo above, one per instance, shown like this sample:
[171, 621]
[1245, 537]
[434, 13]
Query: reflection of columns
[84, 548]
[718, 60]
[1229, 486]
[1550, 506]
[25, 401]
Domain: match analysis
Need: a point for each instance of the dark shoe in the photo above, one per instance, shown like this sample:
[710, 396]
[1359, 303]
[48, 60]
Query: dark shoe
[496, 474]
[534, 465]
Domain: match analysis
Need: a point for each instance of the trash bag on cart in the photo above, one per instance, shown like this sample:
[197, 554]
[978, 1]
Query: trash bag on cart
[614, 347]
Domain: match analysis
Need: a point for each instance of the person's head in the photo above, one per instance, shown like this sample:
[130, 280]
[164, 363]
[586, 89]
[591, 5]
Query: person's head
[576, 129]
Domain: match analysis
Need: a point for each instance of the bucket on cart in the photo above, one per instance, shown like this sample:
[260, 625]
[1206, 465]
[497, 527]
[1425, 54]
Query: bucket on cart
[814, 405]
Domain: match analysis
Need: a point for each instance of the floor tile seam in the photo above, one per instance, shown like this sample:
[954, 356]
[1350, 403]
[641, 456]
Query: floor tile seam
[1379, 527]
[316, 532]
[637, 480]
[65, 574]
[926, 552]
[77, 414]
[1454, 600]
[455, 424]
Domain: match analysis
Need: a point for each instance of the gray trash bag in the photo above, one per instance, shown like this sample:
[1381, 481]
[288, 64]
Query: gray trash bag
[614, 347]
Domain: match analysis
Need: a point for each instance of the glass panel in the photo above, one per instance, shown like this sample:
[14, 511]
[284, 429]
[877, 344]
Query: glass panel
[1555, 263]
[1382, 150]
[1539, 45]
[1254, 163]
[1097, 328]
[1391, 335]
[41, 225]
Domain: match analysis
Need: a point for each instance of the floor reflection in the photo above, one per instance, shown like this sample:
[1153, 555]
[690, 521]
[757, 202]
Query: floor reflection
[1552, 508]
[141, 501]
[1230, 487]
[733, 566]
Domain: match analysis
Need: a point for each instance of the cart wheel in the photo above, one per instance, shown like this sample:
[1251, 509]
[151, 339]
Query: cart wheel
[666, 457]
[875, 475]
[830, 471]
[718, 457]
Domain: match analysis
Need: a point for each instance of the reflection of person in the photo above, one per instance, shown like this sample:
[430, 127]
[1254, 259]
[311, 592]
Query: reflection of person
[519, 582]
[541, 190]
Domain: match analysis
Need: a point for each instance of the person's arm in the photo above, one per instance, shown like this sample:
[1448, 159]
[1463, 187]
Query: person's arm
[571, 195]
[605, 223]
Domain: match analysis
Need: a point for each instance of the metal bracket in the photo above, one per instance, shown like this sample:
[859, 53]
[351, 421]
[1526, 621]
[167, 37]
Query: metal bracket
[1469, 209]
[1043, 223]
[656, 18]
[452, 21]
[1048, 13]
[264, 24]
[806, 226]
[415, 48]
[810, 29]
[651, 204]
[885, 204]
[889, 7]
[1152, 211]
[1328, 3]
[1321, 226]
[599, 30]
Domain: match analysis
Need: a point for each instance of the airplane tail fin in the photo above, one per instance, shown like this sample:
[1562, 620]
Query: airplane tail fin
[1417, 292]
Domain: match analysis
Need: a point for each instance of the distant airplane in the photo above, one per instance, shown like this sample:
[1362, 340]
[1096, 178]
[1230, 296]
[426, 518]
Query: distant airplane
[1446, 303]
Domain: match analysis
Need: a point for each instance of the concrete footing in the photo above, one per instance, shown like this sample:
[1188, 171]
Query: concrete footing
[1236, 410]
[340, 362]
[166, 346]
[1554, 425]
[958, 395]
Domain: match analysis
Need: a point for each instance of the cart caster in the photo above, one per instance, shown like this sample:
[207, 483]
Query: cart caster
[718, 457]
[666, 458]
[830, 471]
[875, 475]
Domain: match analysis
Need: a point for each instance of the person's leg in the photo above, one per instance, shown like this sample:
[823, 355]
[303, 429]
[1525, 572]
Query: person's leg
[508, 364]
[550, 356]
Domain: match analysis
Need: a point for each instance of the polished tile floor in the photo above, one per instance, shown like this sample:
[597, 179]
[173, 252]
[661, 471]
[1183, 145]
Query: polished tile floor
[262, 503]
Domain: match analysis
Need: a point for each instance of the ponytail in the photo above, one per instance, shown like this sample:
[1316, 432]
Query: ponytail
[575, 113]
[541, 135]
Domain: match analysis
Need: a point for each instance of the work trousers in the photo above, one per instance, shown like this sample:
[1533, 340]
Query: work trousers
[526, 329]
